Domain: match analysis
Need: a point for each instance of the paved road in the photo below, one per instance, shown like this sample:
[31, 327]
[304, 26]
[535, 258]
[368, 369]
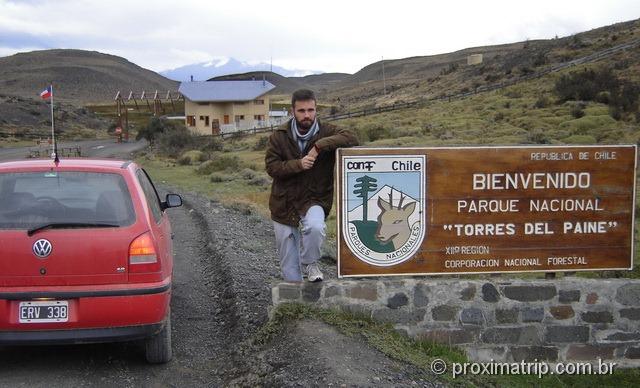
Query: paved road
[90, 148]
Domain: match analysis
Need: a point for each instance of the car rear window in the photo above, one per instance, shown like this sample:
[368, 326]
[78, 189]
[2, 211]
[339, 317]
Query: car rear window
[30, 199]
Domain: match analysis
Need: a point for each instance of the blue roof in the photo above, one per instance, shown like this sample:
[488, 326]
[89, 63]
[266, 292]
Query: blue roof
[200, 91]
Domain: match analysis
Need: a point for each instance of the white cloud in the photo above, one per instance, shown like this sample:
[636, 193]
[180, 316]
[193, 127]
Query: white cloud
[331, 36]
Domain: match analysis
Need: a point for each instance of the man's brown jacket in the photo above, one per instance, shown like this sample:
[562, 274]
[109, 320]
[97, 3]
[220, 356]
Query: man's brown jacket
[295, 190]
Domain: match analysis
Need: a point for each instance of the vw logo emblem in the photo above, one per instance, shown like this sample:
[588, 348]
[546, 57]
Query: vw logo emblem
[42, 248]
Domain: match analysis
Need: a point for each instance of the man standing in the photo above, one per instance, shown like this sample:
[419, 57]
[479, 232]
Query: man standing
[300, 158]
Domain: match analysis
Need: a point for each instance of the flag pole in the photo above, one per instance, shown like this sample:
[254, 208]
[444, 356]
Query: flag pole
[54, 146]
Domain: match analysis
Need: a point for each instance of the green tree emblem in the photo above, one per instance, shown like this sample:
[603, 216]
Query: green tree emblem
[365, 185]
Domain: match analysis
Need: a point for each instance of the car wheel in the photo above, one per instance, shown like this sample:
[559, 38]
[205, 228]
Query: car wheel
[158, 347]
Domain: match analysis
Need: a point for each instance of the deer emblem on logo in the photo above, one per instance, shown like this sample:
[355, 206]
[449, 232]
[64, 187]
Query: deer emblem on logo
[393, 222]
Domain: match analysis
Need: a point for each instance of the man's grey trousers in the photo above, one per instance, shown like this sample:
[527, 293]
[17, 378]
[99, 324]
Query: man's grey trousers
[300, 246]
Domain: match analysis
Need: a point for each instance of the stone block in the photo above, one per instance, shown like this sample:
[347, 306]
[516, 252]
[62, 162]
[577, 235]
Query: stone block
[622, 336]
[562, 312]
[523, 335]
[629, 294]
[399, 316]
[365, 292]
[490, 293]
[535, 314]
[631, 313]
[589, 352]
[472, 316]
[486, 353]
[397, 300]
[597, 317]
[529, 293]
[444, 313]
[468, 293]
[632, 352]
[592, 298]
[288, 292]
[332, 291]
[356, 309]
[450, 336]
[505, 316]
[534, 353]
[566, 334]
[420, 298]
[311, 292]
[568, 296]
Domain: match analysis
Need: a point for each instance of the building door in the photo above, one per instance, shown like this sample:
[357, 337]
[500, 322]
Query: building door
[215, 126]
[226, 119]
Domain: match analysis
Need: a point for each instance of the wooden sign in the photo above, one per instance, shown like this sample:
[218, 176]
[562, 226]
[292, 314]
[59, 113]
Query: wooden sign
[409, 211]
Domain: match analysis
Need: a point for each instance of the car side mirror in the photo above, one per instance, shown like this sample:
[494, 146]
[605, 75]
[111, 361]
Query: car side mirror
[171, 200]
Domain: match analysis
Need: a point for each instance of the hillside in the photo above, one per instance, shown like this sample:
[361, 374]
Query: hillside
[78, 76]
[444, 74]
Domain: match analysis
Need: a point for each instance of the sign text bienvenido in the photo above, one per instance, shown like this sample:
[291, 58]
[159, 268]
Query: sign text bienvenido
[480, 209]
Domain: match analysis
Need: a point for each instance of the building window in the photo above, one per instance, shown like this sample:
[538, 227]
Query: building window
[258, 117]
[258, 102]
[239, 117]
[191, 121]
[201, 118]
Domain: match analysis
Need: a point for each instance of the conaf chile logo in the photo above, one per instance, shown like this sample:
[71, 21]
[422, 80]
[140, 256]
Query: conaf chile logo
[42, 248]
[384, 220]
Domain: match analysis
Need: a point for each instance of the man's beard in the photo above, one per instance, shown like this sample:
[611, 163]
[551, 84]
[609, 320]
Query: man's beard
[304, 125]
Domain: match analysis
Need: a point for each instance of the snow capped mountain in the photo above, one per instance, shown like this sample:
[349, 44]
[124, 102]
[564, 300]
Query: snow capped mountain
[224, 65]
[374, 210]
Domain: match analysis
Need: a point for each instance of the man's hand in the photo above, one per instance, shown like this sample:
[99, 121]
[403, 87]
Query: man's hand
[308, 161]
[313, 152]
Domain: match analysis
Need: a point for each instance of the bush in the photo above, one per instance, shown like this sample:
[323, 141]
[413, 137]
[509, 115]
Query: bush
[542, 102]
[155, 127]
[184, 161]
[450, 69]
[212, 144]
[175, 141]
[192, 157]
[217, 177]
[248, 173]
[585, 85]
[577, 111]
[261, 144]
[537, 136]
[580, 139]
[219, 163]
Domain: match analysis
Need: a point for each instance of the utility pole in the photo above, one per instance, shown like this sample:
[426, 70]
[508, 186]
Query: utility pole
[384, 82]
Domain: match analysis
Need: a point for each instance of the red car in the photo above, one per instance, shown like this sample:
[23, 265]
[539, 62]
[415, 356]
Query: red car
[85, 255]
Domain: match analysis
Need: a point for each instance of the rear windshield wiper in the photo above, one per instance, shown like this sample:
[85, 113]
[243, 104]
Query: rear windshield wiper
[64, 225]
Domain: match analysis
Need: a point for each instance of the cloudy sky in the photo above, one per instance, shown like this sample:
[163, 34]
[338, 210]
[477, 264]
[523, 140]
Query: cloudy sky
[329, 35]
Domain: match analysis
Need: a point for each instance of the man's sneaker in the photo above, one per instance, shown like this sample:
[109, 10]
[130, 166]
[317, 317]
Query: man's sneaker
[313, 273]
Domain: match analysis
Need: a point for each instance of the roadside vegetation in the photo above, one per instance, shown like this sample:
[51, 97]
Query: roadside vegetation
[422, 353]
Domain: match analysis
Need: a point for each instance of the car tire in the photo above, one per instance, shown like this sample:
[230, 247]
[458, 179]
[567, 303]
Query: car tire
[158, 347]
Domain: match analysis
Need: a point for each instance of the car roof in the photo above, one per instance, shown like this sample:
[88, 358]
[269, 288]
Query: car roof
[65, 164]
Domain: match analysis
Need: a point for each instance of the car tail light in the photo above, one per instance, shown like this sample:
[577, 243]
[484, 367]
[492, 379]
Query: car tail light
[142, 255]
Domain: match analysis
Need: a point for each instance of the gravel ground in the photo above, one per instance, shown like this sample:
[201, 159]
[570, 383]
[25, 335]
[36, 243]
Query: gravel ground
[240, 265]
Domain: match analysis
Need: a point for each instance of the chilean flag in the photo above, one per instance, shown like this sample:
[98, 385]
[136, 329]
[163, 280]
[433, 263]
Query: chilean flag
[46, 93]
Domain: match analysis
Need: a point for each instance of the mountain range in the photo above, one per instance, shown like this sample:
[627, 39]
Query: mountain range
[81, 77]
[224, 66]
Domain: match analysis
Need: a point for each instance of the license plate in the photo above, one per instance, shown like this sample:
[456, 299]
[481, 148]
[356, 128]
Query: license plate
[44, 311]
